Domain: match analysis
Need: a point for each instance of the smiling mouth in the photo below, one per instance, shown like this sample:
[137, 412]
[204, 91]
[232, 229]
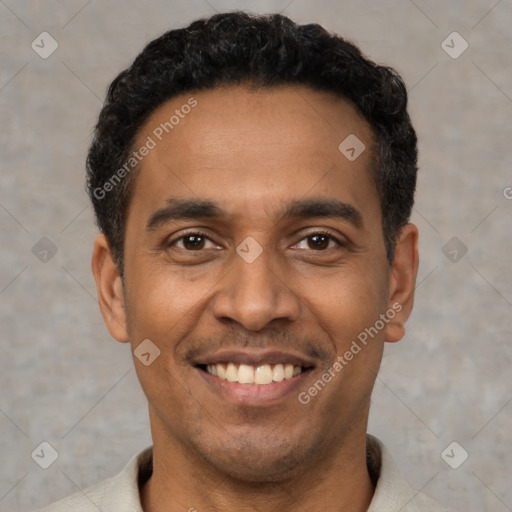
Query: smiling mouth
[261, 374]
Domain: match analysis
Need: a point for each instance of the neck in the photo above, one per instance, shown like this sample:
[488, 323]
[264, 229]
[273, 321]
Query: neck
[338, 480]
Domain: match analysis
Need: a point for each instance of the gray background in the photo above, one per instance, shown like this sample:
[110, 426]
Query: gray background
[64, 381]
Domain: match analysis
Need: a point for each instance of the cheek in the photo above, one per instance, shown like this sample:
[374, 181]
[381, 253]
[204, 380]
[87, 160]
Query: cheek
[163, 309]
[348, 302]
[161, 303]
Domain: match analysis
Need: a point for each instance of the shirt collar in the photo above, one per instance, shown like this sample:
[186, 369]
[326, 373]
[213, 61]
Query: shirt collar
[392, 492]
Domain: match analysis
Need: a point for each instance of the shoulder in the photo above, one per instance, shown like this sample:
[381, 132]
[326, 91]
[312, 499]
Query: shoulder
[393, 493]
[118, 493]
[88, 500]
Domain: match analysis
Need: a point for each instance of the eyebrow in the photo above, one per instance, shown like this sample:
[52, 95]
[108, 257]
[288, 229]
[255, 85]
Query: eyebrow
[197, 209]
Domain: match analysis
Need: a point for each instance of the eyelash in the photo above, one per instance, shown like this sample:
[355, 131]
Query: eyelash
[205, 235]
[185, 235]
[326, 234]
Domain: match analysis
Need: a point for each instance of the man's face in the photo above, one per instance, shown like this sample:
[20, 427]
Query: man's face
[231, 258]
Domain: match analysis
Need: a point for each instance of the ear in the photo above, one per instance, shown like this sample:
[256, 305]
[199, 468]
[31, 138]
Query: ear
[402, 282]
[110, 289]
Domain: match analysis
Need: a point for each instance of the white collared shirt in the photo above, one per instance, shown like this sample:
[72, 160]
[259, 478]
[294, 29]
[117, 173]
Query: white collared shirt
[121, 492]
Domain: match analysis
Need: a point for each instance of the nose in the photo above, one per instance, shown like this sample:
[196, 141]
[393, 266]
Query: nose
[255, 294]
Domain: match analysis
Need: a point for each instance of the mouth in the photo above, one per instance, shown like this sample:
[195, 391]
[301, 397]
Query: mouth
[261, 375]
[246, 378]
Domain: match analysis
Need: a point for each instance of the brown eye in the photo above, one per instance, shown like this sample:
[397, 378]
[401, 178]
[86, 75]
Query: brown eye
[193, 242]
[318, 241]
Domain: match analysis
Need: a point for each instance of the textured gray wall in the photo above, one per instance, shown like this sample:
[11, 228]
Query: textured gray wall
[64, 381]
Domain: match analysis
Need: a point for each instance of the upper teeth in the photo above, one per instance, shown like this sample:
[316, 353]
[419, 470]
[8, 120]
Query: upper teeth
[247, 374]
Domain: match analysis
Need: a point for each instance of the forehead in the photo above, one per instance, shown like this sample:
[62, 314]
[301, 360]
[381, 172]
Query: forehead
[246, 148]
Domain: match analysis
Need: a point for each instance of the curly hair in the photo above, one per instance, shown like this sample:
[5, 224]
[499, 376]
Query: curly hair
[266, 51]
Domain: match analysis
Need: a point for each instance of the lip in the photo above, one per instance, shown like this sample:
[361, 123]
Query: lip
[255, 358]
[254, 395]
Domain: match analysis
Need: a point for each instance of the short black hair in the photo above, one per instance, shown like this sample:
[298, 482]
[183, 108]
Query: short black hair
[265, 51]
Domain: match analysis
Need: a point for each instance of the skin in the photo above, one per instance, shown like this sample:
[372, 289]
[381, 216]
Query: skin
[251, 153]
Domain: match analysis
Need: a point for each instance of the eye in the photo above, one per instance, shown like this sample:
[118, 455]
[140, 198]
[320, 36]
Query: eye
[193, 241]
[319, 241]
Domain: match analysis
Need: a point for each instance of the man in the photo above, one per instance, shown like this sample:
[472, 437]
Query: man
[253, 181]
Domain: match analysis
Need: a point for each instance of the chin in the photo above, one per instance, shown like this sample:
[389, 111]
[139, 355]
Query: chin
[257, 460]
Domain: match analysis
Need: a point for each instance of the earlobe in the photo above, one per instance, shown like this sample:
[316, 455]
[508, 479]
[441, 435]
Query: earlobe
[110, 289]
[402, 282]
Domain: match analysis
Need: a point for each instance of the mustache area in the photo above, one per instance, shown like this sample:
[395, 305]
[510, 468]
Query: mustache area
[198, 349]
